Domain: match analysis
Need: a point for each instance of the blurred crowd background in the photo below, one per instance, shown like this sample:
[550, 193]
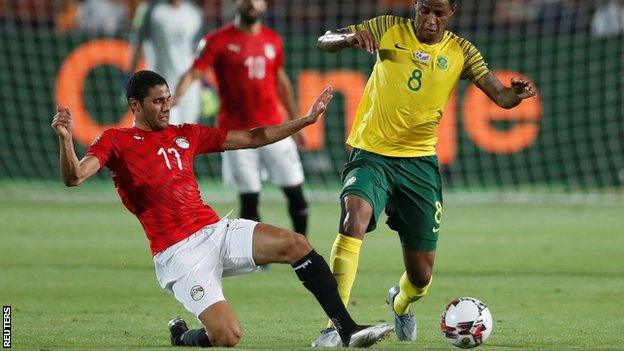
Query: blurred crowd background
[110, 17]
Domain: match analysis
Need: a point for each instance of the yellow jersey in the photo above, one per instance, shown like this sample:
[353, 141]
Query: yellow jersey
[411, 82]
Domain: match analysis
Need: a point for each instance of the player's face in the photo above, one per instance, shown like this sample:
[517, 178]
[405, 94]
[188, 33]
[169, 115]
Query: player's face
[250, 10]
[155, 109]
[431, 19]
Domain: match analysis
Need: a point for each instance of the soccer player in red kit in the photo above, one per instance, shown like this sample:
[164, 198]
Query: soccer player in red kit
[192, 247]
[248, 61]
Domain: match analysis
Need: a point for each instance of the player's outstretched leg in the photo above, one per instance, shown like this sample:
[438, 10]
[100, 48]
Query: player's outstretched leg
[272, 244]
[413, 285]
[404, 325]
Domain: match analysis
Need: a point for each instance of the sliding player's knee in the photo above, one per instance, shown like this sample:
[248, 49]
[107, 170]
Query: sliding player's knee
[226, 336]
[296, 248]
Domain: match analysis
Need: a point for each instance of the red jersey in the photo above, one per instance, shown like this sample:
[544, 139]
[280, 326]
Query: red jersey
[246, 69]
[153, 174]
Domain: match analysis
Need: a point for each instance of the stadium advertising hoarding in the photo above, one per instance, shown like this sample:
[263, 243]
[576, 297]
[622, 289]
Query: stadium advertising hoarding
[570, 135]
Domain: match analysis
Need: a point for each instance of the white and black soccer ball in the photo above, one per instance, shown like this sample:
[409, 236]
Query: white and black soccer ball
[466, 322]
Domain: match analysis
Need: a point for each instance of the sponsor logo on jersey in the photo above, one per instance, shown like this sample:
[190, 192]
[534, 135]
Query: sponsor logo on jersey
[269, 51]
[442, 62]
[137, 137]
[234, 48]
[400, 47]
[197, 292]
[422, 57]
[182, 142]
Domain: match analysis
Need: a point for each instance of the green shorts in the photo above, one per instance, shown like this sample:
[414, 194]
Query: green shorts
[409, 188]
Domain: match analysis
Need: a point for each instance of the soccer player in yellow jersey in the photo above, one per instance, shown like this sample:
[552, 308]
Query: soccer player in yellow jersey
[393, 165]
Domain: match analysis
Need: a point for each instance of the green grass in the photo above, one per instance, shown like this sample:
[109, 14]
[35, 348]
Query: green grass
[80, 276]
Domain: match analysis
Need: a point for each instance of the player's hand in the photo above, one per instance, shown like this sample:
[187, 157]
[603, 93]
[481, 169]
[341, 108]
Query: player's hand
[363, 40]
[522, 88]
[62, 121]
[320, 105]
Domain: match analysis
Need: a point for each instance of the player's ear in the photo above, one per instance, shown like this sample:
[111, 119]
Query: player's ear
[135, 105]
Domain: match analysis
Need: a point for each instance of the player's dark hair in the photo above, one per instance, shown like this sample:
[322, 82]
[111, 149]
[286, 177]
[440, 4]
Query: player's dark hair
[140, 83]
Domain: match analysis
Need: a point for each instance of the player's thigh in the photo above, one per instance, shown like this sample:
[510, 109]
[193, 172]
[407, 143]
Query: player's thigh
[277, 245]
[415, 209]
[191, 269]
[222, 325]
[201, 286]
[365, 177]
[237, 249]
[241, 170]
[282, 163]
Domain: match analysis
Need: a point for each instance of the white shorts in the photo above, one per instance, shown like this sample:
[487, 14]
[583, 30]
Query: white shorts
[244, 169]
[192, 269]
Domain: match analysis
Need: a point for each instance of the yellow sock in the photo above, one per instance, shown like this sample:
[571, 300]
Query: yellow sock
[408, 293]
[343, 262]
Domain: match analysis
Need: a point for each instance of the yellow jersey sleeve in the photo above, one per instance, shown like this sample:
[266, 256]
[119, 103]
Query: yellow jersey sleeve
[474, 65]
[377, 26]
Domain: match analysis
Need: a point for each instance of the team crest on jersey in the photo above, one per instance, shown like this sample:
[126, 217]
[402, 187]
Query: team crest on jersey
[182, 142]
[269, 51]
[442, 62]
[422, 57]
[197, 292]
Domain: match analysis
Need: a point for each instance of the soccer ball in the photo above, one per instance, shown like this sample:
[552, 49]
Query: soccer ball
[466, 322]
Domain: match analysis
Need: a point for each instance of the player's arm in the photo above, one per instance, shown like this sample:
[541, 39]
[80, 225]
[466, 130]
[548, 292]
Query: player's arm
[287, 98]
[261, 136]
[503, 96]
[286, 94]
[137, 37]
[333, 41]
[137, 55]
[186, 80]
[73, 172]
[205, 56]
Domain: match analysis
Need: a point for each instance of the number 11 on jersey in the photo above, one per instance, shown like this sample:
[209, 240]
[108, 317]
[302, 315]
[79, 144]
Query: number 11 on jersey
[172, 151]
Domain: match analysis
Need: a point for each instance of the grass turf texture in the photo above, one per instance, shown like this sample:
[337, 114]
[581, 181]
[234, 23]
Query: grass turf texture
[80, 276]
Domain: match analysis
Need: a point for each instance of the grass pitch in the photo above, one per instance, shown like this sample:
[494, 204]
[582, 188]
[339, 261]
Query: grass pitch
[80, 276]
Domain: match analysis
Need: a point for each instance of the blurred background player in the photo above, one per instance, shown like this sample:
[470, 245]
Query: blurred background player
[393, 165]
[248, 59]
[166, 32]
